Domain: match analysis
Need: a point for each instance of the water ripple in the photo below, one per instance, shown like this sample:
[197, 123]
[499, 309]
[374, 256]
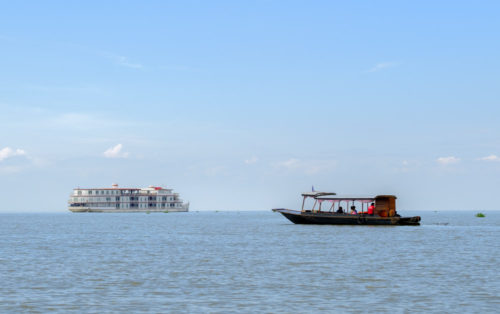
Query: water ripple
[245, 262]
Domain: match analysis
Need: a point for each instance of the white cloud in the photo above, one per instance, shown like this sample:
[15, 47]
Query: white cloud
[115, 152]
[123, 61]
[383, 65]
[16, 165]
[76, 121]
[290, 163]
[448, 160]
[307, 166]
[490, 158]
[8, 152]
[251, 160]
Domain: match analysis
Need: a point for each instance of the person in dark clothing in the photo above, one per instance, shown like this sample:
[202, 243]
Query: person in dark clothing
[340, 210]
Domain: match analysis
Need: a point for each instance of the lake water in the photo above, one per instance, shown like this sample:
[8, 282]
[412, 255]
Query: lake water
[246, 262]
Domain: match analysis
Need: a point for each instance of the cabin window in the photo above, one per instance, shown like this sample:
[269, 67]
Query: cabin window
[79, 192]
[90, 192]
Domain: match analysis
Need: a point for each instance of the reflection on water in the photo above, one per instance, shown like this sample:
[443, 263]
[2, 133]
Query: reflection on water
[246, 261]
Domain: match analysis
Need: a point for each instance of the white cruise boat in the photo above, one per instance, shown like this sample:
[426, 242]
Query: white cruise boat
[126, 200]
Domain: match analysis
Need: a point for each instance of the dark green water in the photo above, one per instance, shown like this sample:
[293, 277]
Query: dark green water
[246, 262]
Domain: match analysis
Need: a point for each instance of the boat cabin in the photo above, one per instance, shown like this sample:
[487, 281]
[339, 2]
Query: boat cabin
[385, 205]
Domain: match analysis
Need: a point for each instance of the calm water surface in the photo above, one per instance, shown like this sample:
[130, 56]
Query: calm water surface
[246, 262]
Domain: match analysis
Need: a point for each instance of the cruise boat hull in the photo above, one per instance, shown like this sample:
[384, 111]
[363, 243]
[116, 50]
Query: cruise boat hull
[113, 210]
[329, 218]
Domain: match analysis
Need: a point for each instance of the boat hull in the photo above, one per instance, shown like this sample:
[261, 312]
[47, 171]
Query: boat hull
[81, 209]
[328, 218]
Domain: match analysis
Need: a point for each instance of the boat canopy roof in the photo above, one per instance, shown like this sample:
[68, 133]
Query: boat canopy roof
[317, 194]
[353, 198]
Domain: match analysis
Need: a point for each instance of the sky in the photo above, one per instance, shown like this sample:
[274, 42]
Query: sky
[243, 105]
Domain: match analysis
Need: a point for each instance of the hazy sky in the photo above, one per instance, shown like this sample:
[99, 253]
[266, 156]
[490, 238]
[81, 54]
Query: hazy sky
[243, 105]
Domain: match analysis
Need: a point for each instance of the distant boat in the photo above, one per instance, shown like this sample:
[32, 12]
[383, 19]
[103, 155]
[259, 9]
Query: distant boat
[129, 200]
[384, 212]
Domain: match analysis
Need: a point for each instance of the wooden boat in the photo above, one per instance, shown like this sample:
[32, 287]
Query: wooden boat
[384, 212]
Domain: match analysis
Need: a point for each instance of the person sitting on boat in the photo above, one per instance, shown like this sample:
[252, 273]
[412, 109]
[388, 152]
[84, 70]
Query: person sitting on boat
[353, 210]
[371, 209]
[340, 210]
